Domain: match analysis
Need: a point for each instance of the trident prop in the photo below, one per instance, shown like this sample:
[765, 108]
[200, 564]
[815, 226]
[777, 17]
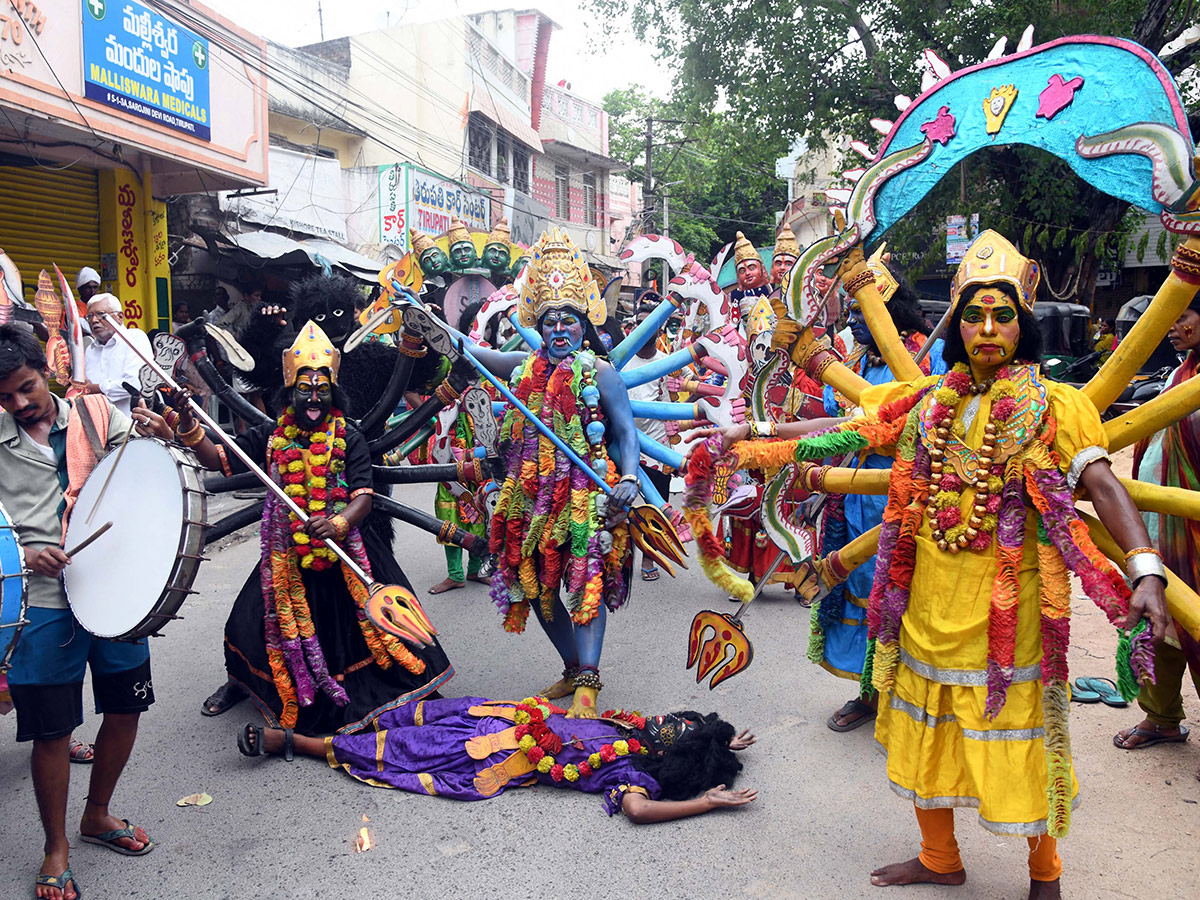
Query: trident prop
[711, 652]
[650, 529]
[389, 603]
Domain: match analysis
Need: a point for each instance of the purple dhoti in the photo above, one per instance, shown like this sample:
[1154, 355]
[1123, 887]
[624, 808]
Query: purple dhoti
[422, 748]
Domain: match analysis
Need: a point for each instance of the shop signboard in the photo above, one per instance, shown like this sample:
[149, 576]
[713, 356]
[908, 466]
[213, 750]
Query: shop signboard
[393, 218]
[142, 63]
[434, 201]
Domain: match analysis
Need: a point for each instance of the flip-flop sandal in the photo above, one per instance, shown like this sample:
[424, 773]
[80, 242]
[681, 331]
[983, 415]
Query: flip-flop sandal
[1082, 694]
[251, 742]
[223, 699]
[59, 883]
[1150, 738]
[1106, 689]
[649, 574]
[865, 715]
[109, 839]
[82, 752]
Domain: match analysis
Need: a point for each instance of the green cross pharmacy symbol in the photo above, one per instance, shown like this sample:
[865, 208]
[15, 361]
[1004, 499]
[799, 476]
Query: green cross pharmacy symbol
[199, 55]
[96, 8]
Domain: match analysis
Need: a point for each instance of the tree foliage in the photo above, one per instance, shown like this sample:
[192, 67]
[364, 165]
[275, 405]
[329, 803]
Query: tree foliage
[821, 69]
[718, 173]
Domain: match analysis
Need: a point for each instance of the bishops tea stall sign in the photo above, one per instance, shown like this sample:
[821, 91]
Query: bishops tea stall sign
[142, 63]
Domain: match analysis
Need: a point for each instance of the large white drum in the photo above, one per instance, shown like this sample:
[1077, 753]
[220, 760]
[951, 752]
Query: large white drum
[134, 577]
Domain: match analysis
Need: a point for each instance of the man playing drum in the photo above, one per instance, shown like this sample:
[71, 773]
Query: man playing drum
[47, 448]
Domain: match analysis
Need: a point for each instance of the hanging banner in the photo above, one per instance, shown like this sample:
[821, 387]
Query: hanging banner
[393, 219]
[137, 61]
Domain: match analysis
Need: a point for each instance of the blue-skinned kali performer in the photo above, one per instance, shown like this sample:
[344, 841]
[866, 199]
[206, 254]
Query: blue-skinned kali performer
[563, 547]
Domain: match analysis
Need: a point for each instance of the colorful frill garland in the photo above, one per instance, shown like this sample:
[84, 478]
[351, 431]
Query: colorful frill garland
[546, 530]
[697, 495]
[1063, 543]
[298, 664]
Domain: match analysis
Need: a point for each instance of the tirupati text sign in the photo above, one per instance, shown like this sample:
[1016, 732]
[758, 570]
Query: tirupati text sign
[434, 201]
[142, 63]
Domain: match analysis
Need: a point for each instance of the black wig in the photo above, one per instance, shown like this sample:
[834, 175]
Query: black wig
[905, 307]
[699, 760]
[1029, 344]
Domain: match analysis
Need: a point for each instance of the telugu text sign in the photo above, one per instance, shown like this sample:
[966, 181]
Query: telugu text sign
[435, 201]
[142, 63]
[393, 221]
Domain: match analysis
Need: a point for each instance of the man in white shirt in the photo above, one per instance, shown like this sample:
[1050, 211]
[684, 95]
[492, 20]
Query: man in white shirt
[109, 363]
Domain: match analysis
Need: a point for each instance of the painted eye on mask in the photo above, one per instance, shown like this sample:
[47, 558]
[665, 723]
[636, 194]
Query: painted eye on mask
[338, 312]
[323, 389]
[320, 318]
[972, 316]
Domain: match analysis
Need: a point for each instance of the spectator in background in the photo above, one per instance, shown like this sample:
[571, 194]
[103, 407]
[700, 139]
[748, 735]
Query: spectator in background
[87, 285]
[1106, 339]
[109, 364]
[181, 314]
[232, 315]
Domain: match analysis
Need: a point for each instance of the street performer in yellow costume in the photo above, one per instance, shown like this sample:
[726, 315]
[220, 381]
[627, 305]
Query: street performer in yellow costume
[968, 618]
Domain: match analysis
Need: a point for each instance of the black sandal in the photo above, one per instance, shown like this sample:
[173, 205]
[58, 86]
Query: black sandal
[252, 742]
[223, 699]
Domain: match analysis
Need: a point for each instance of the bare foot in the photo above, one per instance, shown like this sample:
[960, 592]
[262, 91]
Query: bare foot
[480, 579]
[55, 864]
[914, 872]
[1044, 890]
[560, 688]
[584, 704]
[448, 585]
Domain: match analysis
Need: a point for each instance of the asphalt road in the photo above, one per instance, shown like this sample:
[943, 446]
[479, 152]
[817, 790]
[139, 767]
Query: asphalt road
[824, 817]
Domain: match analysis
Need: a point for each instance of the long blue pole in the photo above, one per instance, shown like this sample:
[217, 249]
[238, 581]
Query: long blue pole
[640, 336]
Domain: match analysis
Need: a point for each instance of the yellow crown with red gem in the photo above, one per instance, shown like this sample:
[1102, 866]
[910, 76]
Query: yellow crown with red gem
[993, 260]
[558, 276]
[311, 350]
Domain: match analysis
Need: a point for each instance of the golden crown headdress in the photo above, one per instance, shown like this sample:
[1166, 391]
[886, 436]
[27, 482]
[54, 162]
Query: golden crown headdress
[744, 250]
[761, 316]
[786, 243]
[558, 276]
[501, 233]
[420, 242]
[885, 281]
[311, 350]
[458, 232]
[993, 260]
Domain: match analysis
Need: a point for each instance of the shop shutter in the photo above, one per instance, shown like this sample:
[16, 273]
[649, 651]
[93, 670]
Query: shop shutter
[49, 217]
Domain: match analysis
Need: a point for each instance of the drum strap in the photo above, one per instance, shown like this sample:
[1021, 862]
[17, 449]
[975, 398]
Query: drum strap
[89, 416]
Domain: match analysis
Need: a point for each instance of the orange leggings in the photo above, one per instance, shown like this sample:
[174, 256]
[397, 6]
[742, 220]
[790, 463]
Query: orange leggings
[939, 849]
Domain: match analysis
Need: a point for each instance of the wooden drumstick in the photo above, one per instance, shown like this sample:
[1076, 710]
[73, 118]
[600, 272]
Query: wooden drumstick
[108, 477]
[88, 540]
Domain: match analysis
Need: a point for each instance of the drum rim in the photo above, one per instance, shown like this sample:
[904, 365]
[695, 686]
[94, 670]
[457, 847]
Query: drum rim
[23, 615]
[179, 582]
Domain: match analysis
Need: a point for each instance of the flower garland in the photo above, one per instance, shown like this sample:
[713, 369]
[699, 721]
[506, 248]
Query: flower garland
[697, 495]
[546, 502]
[306, 472]
[541, 745]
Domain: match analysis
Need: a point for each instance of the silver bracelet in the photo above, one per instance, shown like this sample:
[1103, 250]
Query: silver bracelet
[1140, 565]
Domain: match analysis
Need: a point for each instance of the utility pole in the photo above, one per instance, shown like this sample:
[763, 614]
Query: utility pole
[321, 20]
[648, 191]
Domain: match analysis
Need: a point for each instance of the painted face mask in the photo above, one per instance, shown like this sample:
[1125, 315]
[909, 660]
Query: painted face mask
[312, 398]
[779, 267]
[858, 327]
[463, 255]
[497, 257]
[562, 332]
[989, 328]
[662, 732]
[434, 262]
[750, 274]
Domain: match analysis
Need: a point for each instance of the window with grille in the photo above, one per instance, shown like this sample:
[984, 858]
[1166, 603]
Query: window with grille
[593, 118]
[589, 198]
[520, 168]
[577, 111]
[563, 104]
[503, 158]
[479, 145]
[562, 191]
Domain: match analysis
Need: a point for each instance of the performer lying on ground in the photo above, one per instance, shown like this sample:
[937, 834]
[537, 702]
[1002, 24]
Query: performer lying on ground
[562, 546]
[970, 605]
[312, 660]
[650, 768]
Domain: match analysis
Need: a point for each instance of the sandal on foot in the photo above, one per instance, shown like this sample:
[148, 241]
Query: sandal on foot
[252, 742]
[650, 574]
[59, 883]
[851, 707]
[1082, 694]
[223, 698]
[82, 752]
[110, 840]
[1150, 737]
[1105, 689]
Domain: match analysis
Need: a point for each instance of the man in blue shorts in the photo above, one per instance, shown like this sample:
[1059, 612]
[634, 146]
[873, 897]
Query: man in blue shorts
[40, 435]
